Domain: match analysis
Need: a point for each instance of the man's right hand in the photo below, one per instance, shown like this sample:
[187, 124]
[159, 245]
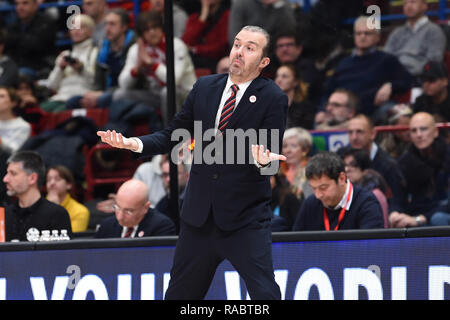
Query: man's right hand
[117, 140]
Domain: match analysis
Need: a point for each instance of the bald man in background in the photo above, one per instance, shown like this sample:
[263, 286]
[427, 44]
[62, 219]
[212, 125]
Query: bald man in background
[133, 216]
[426, 167]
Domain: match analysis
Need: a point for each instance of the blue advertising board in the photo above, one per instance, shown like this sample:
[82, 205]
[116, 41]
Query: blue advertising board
[388, 269]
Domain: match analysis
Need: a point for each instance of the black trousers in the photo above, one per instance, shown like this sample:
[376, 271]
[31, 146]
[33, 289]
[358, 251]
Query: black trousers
[200, 250]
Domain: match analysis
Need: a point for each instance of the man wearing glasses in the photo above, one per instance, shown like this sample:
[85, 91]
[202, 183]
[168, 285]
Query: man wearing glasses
[342, 105]
[133, 216]
[373, 75]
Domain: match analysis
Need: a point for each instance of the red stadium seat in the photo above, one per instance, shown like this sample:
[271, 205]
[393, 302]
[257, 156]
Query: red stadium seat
[120, 169]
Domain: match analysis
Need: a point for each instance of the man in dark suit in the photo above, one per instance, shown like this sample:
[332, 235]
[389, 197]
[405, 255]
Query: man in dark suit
[226, 209]
[133, 216]
[336, 203]
[362, 133]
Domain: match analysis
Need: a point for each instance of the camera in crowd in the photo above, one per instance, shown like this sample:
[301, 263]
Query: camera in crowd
[70, 60]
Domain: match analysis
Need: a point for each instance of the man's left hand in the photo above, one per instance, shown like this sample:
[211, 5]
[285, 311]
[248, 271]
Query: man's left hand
[264, 157]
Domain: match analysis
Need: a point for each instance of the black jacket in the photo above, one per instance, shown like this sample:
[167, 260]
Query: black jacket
[30, 45]
[153, 224]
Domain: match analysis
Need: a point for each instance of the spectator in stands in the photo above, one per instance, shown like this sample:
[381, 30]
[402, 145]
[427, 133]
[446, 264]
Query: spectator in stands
[397, 142]
[268, 14]
[426, 167]
[297, 143]
[146, 63]
[362, 135]
[223, 65]
[301, 111]
[164, 205]
[358, 171]
[288, 50]
[206, 33]
[336, 204]
[148, 172]
[418, 41]
[31, 39]
[342, 105]
[284, 204]
[133, 216]
[28, 107]
[180, 16]
[96, 9]
[436, 92]
[60, 186]
[9, 72]
[25, 175]
[73, 73]
[14, 131]
[111, 59]
[373, 75]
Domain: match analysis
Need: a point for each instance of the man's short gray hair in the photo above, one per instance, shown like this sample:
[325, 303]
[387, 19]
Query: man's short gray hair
[262, 31]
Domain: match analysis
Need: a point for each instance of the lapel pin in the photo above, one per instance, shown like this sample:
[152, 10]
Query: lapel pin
[252, 99]
[141, 234]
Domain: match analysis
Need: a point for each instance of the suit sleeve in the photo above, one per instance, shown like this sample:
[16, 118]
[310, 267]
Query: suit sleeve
[275, 123]
[160, 141]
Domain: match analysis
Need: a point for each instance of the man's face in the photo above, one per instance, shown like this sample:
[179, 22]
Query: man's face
[165, 175]
[336, 111]
[286, 50]
[246, 56]
[422, 130]
[327, 190]
[360, 134]
[414, 8]
[433, 87]
[365, 37]
[18, 181]
[130, 209]
[113, 27]
[26, 9]
[93, 8]
[285, 79]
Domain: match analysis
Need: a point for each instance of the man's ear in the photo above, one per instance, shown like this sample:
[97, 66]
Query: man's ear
[264, 62]
[33, 178]
[342, 179]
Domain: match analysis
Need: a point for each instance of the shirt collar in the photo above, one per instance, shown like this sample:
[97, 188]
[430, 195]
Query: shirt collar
[371, 50]
[373, 150]
[242, 86]
[419, 23]
[343, 203]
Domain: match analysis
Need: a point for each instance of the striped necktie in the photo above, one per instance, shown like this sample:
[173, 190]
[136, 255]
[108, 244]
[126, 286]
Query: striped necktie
[129, 232]
[228, 108]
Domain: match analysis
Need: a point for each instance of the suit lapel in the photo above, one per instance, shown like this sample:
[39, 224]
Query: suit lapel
[248, 102]
[214, 95]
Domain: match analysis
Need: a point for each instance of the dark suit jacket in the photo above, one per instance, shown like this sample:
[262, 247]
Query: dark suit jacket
[389, 169]
[236, 194]
[153, 224]
[364, 213]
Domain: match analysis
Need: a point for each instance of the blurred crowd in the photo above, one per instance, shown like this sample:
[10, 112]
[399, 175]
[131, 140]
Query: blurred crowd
[355, 76]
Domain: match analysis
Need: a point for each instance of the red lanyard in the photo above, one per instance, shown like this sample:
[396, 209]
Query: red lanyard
[326, 221]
